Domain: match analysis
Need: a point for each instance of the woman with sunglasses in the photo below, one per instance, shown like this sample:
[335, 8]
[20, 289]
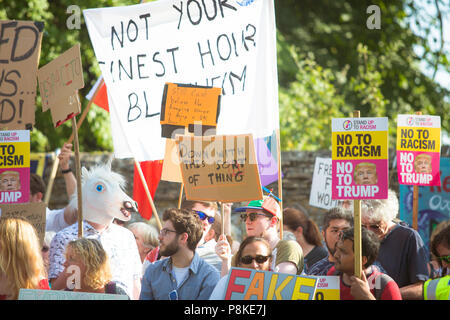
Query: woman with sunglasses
[254, 253]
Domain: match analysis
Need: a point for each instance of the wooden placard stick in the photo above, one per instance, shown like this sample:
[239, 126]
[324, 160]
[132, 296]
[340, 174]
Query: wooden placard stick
[357, 228]
[415, 213]
[180, 197]
[280, 182]
[78, 177]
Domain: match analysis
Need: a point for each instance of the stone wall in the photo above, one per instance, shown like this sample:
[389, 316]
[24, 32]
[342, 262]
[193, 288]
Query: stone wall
[297, 167]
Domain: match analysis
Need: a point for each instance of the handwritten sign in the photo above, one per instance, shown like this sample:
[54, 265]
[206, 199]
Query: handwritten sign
[59, 81]
[418, 149]
[328, 288]
[20, 47]
[320, 195]
[36, 294]
[186, 105]
[34, 212]
[434, 203]
[360, 158]
[250, 284]
[14, 166]
[226, 44]
[219, 168]
[171, 170]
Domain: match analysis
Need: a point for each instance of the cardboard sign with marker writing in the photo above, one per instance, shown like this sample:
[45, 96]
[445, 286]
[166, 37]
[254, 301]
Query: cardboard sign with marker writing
[20, 47]
[219, 168]
[186, 105]
[34, 212]
[171, 166]
[59, 81]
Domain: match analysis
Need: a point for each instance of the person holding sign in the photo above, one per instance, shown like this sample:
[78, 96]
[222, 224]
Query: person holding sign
[253, 253]
[374, 284]
[183, 275]
[21, 264]
[402, 251]
[365, 173]
[422, 163]
[261, 219]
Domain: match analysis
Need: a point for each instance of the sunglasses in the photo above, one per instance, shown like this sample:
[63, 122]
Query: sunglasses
[259, 259]
[253, 216]
[445, 258]
[204, 216]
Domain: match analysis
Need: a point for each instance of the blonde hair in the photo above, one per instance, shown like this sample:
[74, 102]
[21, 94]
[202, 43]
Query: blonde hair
[95, 258]
[20, 255]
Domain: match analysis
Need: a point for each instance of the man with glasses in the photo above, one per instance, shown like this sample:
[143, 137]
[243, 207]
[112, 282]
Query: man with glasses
[183, 275]
[261, 218]
[207, 212]
[402, 251]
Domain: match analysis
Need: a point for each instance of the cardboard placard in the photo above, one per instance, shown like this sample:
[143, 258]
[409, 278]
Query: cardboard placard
[36, 294]
[360, 158]
[14, 166]
[20, 47]
[219, 168]
[34, 212]
[418, 149]
[184, 106]
[59, 81]
[249, 284]
[320, 195]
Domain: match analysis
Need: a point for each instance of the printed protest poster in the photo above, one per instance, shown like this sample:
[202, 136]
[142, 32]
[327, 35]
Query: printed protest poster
[328, 288]
[219, 168]
[36, 294]
[418, 149]
[250, 284]
[225, 44]
[20, 48]
[184, 106]
[433, 204]
[360, 158]
[320, 195]
[14, 166]
[33, 212]
[59, 81]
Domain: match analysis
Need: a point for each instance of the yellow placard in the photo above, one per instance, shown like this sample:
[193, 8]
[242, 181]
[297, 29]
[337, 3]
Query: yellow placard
[355, 145]
[418, 139]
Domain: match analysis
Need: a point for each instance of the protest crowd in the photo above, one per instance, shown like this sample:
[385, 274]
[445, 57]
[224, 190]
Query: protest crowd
[361, 250]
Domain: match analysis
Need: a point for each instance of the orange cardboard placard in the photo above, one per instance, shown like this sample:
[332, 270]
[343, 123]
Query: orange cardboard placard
[219, 168]
[184, 106]
[20, 47]
[59, 81]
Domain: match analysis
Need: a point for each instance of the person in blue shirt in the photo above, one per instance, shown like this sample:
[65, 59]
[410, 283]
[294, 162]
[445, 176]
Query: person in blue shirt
[183, 275]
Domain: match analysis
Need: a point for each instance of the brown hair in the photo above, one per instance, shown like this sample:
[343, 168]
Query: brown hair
[37, 184]
[185, 222]
[294, 218]
[189, 204]
[245, 243]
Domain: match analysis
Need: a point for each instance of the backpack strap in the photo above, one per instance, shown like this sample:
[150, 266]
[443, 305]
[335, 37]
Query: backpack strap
[110, 287]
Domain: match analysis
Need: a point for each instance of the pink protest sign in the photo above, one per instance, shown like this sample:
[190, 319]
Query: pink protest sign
[14, 166]
[418, 150]
[360, 158]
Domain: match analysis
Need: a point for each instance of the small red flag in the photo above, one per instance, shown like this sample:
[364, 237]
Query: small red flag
[101, 98]
[152, 171]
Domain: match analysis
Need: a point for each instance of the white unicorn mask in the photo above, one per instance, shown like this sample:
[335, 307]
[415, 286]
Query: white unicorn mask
[103, 196]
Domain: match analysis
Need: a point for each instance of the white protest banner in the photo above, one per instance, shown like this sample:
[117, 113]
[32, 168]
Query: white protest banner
[320, 195]
[36, 294]
[216, 43]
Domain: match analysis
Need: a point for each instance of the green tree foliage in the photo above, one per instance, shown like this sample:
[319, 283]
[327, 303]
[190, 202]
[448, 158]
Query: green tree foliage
[353, 67]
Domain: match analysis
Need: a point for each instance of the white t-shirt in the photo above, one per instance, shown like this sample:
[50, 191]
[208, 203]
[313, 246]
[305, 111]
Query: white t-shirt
[180, 274]
[55, 220]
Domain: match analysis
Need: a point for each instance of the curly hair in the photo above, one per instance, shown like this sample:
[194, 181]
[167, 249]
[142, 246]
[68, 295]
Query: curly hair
[91, 253]
[20, 255]
[185, 222]
[381, 210]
